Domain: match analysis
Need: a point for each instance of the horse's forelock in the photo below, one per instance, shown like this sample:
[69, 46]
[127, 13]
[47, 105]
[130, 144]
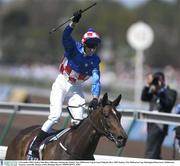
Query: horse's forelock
[113, 109]
[104, 103]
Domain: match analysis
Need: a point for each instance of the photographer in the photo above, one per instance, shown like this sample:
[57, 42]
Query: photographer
[177, 135]
[161, 98]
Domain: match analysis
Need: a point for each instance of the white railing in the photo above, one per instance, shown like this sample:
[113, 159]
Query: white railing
[141, 115]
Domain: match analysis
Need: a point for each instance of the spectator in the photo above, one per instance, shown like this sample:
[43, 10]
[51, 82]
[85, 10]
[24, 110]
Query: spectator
[162, 99]
[177, 132]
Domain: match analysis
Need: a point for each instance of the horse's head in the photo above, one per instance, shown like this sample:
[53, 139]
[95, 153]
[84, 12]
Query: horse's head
[110, 121]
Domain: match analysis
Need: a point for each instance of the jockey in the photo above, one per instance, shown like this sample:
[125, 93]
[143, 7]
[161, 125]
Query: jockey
[79, 63]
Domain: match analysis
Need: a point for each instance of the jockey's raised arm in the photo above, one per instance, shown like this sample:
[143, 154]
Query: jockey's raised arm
[80, 62]
[68, 42]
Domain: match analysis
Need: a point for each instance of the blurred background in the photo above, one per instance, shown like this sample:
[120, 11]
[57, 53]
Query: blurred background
[29, 56]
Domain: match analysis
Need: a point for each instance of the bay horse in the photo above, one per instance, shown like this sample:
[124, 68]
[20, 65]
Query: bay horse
[78, 143]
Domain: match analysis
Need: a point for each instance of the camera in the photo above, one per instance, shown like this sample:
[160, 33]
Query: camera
[155, 80]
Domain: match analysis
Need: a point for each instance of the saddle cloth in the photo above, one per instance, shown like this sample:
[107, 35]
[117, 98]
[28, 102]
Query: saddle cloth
[52, 137]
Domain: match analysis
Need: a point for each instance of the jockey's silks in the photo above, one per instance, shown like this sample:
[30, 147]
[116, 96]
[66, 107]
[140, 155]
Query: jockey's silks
[78, 67]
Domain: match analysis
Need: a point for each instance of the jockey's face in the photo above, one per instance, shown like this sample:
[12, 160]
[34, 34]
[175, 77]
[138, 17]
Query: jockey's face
[90, 51]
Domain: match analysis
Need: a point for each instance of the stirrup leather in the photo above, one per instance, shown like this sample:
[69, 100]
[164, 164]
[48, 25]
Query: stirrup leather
[30, 156]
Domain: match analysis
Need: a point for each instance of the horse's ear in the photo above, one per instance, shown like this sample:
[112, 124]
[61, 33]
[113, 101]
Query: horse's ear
[117, 100]
[104, 99]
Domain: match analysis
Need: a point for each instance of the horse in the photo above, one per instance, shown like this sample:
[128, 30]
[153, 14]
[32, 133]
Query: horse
[77, 143]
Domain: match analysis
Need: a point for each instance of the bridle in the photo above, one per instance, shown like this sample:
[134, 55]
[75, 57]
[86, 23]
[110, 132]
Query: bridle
[104, 132]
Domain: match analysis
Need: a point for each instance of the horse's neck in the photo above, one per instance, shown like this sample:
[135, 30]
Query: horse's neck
[87, 136]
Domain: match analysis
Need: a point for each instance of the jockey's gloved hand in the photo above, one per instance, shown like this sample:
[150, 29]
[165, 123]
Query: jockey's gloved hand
[77, 16]
[93, 103]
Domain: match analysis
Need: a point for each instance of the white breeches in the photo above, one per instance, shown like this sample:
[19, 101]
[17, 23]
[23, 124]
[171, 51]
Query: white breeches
[62, 91]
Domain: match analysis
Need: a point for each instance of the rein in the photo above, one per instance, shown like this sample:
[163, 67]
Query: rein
[90, 120]
[71, 106]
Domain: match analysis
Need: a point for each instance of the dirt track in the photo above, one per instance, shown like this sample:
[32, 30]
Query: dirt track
[105, 147]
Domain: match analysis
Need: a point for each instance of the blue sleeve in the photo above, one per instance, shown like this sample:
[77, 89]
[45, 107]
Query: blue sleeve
[68, 42]
[96, 87]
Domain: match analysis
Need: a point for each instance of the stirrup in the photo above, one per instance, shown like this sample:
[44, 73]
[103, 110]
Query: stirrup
[31, 156]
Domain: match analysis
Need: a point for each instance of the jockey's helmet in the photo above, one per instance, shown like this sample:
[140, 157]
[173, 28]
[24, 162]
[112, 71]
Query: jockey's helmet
[91, 39]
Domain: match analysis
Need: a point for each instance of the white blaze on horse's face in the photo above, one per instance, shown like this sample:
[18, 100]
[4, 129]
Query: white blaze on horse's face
[114, 112]
[111, 113]
[112, 124]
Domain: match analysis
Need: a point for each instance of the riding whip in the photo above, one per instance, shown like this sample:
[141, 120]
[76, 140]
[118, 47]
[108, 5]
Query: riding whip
[82, 11]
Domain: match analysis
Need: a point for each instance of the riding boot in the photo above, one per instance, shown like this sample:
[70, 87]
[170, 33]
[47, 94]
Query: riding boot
[36, 144]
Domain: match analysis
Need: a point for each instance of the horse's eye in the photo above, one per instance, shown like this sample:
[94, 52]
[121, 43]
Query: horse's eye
[106, 115]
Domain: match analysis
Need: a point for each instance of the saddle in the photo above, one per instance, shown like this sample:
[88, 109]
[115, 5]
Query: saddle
[53, 136]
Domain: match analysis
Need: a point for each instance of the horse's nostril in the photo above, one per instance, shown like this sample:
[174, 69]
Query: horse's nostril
[120, 138]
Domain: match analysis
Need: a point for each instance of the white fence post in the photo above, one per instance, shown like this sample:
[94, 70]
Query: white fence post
[3, 150]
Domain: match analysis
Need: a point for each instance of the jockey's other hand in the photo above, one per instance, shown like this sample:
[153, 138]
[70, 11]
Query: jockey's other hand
[93, 103]
[77, 16]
